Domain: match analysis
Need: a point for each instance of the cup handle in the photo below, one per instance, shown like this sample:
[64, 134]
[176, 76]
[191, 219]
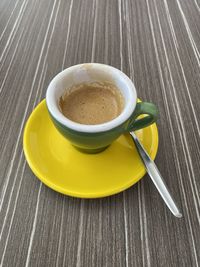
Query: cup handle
[143, 108]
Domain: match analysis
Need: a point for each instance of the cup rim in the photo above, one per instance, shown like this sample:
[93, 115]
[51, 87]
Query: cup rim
[124, 115]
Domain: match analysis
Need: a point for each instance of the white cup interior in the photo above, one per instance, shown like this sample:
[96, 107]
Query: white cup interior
[90, 72]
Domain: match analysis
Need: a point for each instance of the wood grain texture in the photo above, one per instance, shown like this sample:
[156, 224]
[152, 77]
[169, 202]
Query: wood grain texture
[157, 44]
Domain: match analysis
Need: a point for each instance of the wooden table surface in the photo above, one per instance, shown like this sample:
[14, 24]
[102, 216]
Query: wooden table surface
[157, 44]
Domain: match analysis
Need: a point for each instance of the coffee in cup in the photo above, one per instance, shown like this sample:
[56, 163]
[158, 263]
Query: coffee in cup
[92, 103]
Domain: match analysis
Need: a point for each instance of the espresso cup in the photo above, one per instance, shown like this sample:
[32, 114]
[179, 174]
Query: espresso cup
[95, 138]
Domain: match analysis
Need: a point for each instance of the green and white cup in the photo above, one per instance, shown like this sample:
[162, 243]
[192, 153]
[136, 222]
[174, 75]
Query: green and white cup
[95, 138]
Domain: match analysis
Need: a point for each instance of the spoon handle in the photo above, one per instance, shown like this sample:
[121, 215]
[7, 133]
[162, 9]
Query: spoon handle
[156, 177]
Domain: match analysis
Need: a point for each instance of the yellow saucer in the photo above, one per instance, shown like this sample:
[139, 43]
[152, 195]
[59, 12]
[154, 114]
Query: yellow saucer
[61, 167]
